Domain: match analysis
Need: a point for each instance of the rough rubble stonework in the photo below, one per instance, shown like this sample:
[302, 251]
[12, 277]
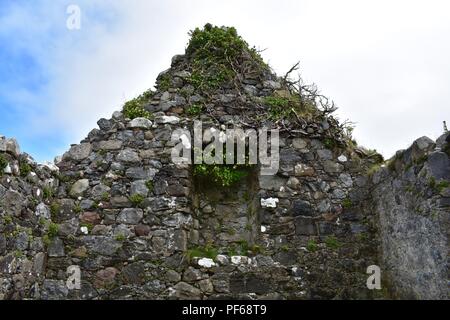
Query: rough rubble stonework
[117, 207]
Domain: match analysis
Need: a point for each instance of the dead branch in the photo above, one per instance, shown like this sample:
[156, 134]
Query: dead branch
[294, 68]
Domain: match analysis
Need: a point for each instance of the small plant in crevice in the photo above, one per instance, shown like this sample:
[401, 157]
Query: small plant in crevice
[24, 169]
[373, 169]
[332, 242]
[164, 82]
[421, 160]
[438, 187]
[87, 225]
[47, 193]
[3, 164]
[106, 196]
[363, 236]
[329, 143]
[311, 246]
[135, 107]
[18, 254]
[53, 229]
[208, 251]
[46, 240]
[120, 237]
[392, 162]
[347, 203]
[54, 209]
[136, 199]
[77, 209]
[243, 248]
[7, 219]
[222, 175]
[443, 184]
[446, 149]
[432, 183]
[194, 109]
[64, 178]
[150, 186]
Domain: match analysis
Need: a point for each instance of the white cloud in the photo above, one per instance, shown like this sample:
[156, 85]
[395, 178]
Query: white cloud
[384, 63]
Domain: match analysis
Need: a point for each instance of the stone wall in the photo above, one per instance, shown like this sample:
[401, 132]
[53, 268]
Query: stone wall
[412, 200]
[139, 226]
[307, 245]
[25, 188]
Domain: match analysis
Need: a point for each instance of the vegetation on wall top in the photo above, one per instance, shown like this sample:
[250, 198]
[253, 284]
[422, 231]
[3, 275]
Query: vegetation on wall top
[135, 107]
[217, 54]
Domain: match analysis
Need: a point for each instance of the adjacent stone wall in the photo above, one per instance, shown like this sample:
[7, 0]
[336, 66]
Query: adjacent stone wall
[411, 198]
[25, 188]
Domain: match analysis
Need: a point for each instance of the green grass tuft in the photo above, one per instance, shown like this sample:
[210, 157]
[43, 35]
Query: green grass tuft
[3, 164]
[332, 242]
[311, 246]
[25, 169]
[202, 252]
[136, 199]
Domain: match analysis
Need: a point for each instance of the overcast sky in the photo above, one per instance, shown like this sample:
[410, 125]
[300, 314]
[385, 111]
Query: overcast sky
[384, 63]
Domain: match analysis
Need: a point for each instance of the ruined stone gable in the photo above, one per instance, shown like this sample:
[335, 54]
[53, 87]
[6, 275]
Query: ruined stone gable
[139, 226]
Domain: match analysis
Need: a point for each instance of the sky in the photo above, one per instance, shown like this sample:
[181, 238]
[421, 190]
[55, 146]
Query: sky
[384, 63]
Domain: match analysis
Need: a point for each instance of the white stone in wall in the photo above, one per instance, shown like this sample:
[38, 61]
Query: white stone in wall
[269, 202]
[206, 263]
[50, 166]
[143, 123]
[342, 158]
[7, 170]
[84, 230]
[222, 259]
[168, 119]
[185, 141]
[239, 260]
[263, 229]
[42, 211]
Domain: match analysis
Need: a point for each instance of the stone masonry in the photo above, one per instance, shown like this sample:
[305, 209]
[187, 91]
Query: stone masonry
[139, 226]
